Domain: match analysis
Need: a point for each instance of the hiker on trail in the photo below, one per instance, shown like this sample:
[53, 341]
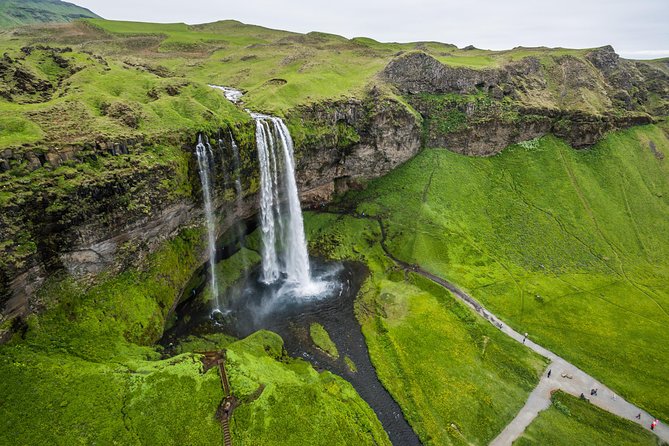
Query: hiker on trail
[524, 338]
[653, 424]
[549, 372]
[638, 417]
[593, 392]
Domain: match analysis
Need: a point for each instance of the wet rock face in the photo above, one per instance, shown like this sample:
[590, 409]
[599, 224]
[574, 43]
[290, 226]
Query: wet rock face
[366, 139]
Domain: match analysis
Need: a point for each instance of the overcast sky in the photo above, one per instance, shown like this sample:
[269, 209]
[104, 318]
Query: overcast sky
[635, 28]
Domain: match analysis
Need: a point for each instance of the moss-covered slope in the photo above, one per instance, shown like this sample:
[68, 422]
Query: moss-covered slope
[569, 246]
[86, 370]
[457, 379]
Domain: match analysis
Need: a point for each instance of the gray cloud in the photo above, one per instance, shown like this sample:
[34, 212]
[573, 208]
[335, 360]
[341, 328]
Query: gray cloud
[636, 29]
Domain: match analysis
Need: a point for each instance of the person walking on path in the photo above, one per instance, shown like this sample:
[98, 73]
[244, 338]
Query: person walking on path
[549, 373]
[524, 338]
[653, 424]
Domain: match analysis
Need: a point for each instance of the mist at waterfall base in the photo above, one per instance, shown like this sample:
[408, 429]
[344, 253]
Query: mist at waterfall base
[252, 305]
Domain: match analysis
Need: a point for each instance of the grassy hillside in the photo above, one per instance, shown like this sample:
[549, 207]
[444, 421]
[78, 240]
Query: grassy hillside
[27, 12]
[570, 246]
[457, 379]
[570, 421]
[155, 75]
[85, 371]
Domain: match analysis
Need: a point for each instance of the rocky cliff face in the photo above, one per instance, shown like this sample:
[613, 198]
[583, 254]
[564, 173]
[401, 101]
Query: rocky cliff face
[479, 112]
[363, 139]
[104, 206]
[88, 207]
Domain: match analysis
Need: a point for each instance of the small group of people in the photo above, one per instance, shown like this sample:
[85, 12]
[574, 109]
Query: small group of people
[652, 425]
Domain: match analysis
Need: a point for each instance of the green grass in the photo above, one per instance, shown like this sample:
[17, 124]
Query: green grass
[297, 405]
[56, 398]
[86, 371]
[321, 339]
[573, 422]
[142, 65]
[17, 130]
[570, 246]
[457, 379]
[25, 12]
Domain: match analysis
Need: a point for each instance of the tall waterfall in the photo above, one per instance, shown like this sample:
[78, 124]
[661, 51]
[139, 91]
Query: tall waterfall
[284, 247]
[205, 161]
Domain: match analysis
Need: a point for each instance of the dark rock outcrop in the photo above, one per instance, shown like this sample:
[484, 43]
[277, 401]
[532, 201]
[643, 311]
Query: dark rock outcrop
[367, 139]
[480, 112]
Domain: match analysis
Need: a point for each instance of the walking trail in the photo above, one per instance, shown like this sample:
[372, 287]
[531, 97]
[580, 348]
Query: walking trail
[564, 375]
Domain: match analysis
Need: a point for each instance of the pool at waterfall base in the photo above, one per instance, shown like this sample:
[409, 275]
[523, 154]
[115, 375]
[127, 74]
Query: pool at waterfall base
[282, 307]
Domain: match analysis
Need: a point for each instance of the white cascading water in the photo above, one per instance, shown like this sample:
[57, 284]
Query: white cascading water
[270, 260]
[205, 158]
[277, 168]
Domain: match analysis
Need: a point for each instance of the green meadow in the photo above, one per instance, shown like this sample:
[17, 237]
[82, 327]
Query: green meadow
[87, 371]
[569, 246]
[457, 379]
[575, 422]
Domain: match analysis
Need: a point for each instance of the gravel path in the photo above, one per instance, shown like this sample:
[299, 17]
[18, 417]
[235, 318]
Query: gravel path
[564, 376]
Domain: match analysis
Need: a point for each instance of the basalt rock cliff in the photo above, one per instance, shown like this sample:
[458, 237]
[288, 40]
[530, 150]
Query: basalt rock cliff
[479, 112]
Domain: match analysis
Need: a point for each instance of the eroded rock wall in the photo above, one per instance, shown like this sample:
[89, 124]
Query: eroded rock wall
[481, 111]
[114, 217]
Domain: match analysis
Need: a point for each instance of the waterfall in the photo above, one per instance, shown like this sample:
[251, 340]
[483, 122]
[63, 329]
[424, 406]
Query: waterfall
[284, 246]
[205, 161]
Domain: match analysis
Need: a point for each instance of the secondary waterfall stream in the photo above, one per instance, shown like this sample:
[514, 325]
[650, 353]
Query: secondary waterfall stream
[205, 160]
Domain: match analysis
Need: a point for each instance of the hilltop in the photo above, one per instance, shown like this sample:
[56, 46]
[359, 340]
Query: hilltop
[27, 12]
